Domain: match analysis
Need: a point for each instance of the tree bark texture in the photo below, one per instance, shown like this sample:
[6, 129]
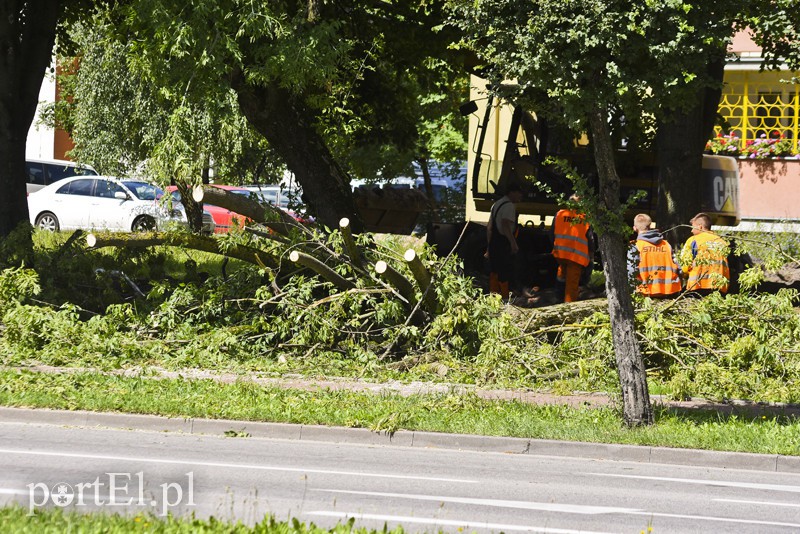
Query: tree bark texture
[426, 179]
[287, 124]
[194, 209]
[681, 141]
[27, 35]
[564, 314]
[613, 247]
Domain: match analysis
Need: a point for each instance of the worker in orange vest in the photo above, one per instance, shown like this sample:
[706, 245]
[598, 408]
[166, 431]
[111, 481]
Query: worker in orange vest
[704, 258]
[571, 248]
[502, 241]
[655, 272]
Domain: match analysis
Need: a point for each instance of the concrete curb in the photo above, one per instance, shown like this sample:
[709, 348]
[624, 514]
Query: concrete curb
[405, 438]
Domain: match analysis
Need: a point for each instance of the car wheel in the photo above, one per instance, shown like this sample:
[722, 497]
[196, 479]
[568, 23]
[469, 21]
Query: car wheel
[144, 223]
[47, 221]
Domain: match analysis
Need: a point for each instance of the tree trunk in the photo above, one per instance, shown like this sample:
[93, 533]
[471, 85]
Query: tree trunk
[613, 247]
[681, 141]
[287, 124]
[27, 35]
[194, 209]
[565, 314]
[426, 179]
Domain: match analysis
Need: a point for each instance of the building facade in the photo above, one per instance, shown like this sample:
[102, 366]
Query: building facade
[761, 111]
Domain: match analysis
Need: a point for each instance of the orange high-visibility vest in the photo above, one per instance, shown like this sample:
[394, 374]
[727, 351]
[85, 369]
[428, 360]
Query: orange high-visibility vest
[570, 241]
[658, 275]
[708, 268]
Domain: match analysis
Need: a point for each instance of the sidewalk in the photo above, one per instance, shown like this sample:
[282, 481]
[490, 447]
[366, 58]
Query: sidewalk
[431, 440]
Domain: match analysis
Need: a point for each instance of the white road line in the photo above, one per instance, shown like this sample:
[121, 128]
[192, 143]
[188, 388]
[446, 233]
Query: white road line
[720, 519]
[718, 483]
[523, 505]
[404, 520]
[233, 466]
[9, 491]
[765, 503]
[562, 508]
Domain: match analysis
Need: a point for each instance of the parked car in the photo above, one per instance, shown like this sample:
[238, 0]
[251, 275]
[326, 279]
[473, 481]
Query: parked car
[103, 202]
[43, 172]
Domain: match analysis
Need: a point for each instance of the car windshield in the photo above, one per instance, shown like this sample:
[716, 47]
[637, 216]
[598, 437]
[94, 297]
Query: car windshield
[144, 191]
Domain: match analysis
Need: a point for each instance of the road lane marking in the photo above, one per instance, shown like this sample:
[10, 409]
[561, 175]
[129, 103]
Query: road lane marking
[448, 522]
[10, 491]
[718, 483]
[719, 519]
[524, 505]
[234, 466]
[765, 503]
[561, 508]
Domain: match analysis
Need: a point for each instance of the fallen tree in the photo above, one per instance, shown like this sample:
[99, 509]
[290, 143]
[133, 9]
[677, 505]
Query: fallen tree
[557, 314]
[180, 239]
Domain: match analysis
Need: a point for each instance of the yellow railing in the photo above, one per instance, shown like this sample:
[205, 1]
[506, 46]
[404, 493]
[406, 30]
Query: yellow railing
[758, 105]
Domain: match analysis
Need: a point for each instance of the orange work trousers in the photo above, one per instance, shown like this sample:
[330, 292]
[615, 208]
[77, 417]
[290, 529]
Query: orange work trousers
[496, 286]
[570, 272]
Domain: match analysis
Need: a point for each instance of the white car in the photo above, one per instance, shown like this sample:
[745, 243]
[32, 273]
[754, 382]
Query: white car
[104, 202]
[43, 172]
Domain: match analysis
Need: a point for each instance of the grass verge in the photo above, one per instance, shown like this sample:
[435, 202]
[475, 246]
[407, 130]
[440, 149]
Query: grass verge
[45, 521]
[465, 414]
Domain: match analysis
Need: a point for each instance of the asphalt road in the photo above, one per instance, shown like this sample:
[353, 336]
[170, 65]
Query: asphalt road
[242, 478]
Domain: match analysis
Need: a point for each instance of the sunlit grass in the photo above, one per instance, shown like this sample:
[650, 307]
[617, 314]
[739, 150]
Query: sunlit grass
[456, 413]
[56, 521]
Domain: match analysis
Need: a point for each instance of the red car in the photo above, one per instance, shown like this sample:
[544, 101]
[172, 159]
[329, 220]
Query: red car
[225, 219]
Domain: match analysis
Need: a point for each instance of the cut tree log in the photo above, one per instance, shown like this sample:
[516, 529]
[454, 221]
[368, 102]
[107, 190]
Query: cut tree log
[321, 269]
[396, 280]
[179, 239]
[349, 242]
[266, 214]
[423, 278]
[558, 314]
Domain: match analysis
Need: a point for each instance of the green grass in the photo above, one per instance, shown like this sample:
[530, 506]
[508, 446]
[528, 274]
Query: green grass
[467, 414]
[56, 521]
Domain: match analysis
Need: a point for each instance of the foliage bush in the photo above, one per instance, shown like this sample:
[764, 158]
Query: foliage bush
[245, 318]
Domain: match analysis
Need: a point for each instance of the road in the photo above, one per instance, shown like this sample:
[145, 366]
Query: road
[243, 478]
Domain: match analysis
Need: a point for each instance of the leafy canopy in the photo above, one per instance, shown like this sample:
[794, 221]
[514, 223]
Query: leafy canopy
[569, 56]
[380, 82]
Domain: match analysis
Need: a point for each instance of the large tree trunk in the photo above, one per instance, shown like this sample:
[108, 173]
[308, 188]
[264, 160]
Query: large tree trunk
[428, 183]
[287, 124]
[681, 141]
[27, 35]
[613, 247]
[194, 209]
